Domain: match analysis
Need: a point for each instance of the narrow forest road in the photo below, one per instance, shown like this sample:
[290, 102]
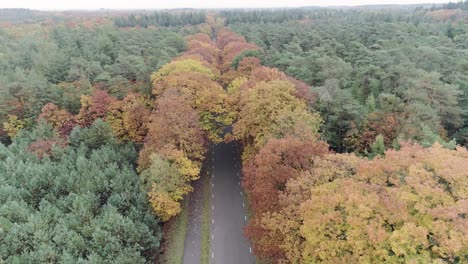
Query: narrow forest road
[229, 212]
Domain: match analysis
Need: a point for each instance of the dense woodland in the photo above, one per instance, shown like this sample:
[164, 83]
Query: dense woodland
[353, 127]
[163, 19]
[399, 75]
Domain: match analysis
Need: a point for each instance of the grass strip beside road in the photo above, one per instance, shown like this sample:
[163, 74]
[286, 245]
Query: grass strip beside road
[174, 252]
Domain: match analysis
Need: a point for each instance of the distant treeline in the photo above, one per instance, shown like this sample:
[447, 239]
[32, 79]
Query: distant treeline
[310, 13]
[162, 19]
[265, 16]
[18, 15]
[460, 5]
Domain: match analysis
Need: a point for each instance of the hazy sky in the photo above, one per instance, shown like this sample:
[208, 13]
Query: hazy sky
[139, 4]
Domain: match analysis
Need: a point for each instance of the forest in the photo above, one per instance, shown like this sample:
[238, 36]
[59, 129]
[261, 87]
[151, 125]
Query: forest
[352, 126]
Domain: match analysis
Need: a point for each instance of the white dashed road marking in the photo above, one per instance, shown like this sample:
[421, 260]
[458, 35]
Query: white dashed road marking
[237, 165]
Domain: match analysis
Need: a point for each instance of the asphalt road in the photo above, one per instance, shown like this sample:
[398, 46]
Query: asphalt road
[229, 212]
[192, 245]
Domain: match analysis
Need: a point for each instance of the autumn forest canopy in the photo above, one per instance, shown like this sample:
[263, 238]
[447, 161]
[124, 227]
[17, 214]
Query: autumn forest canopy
[352, 124]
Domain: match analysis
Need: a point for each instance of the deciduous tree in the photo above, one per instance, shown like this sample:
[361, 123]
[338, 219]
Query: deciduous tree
[204, 95]
[404, 207]
[129, 117]
[60, 119]
[177, 66]
[165, 186]
[94, 107]
[174, 125]
[13, 125]
[270, 110]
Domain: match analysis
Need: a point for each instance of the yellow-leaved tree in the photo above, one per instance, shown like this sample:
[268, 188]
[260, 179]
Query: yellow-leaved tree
[406, 207]
[271, 110]
[165, 186]
[13, 125]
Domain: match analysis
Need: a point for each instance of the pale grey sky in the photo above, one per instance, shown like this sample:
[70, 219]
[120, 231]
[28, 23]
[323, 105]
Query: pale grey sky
[141, 4]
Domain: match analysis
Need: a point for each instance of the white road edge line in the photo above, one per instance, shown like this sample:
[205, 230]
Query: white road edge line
[245, 217]
[250, 248]
[212, 255]
[243, 205]
[212, 207]
[241, 193]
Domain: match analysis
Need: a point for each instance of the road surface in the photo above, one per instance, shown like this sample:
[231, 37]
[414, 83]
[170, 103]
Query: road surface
[229, 212]
[192, 245]
[228, 216]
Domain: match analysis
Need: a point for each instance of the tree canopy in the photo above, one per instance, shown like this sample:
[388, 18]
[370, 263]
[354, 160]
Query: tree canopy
[80, 203]
[352, 124]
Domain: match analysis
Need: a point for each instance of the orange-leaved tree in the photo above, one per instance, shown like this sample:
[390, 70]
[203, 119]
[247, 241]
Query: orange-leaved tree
[175, 134]
[406, 207]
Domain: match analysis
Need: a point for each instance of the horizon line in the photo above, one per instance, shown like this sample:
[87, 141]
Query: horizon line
[216, 8]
